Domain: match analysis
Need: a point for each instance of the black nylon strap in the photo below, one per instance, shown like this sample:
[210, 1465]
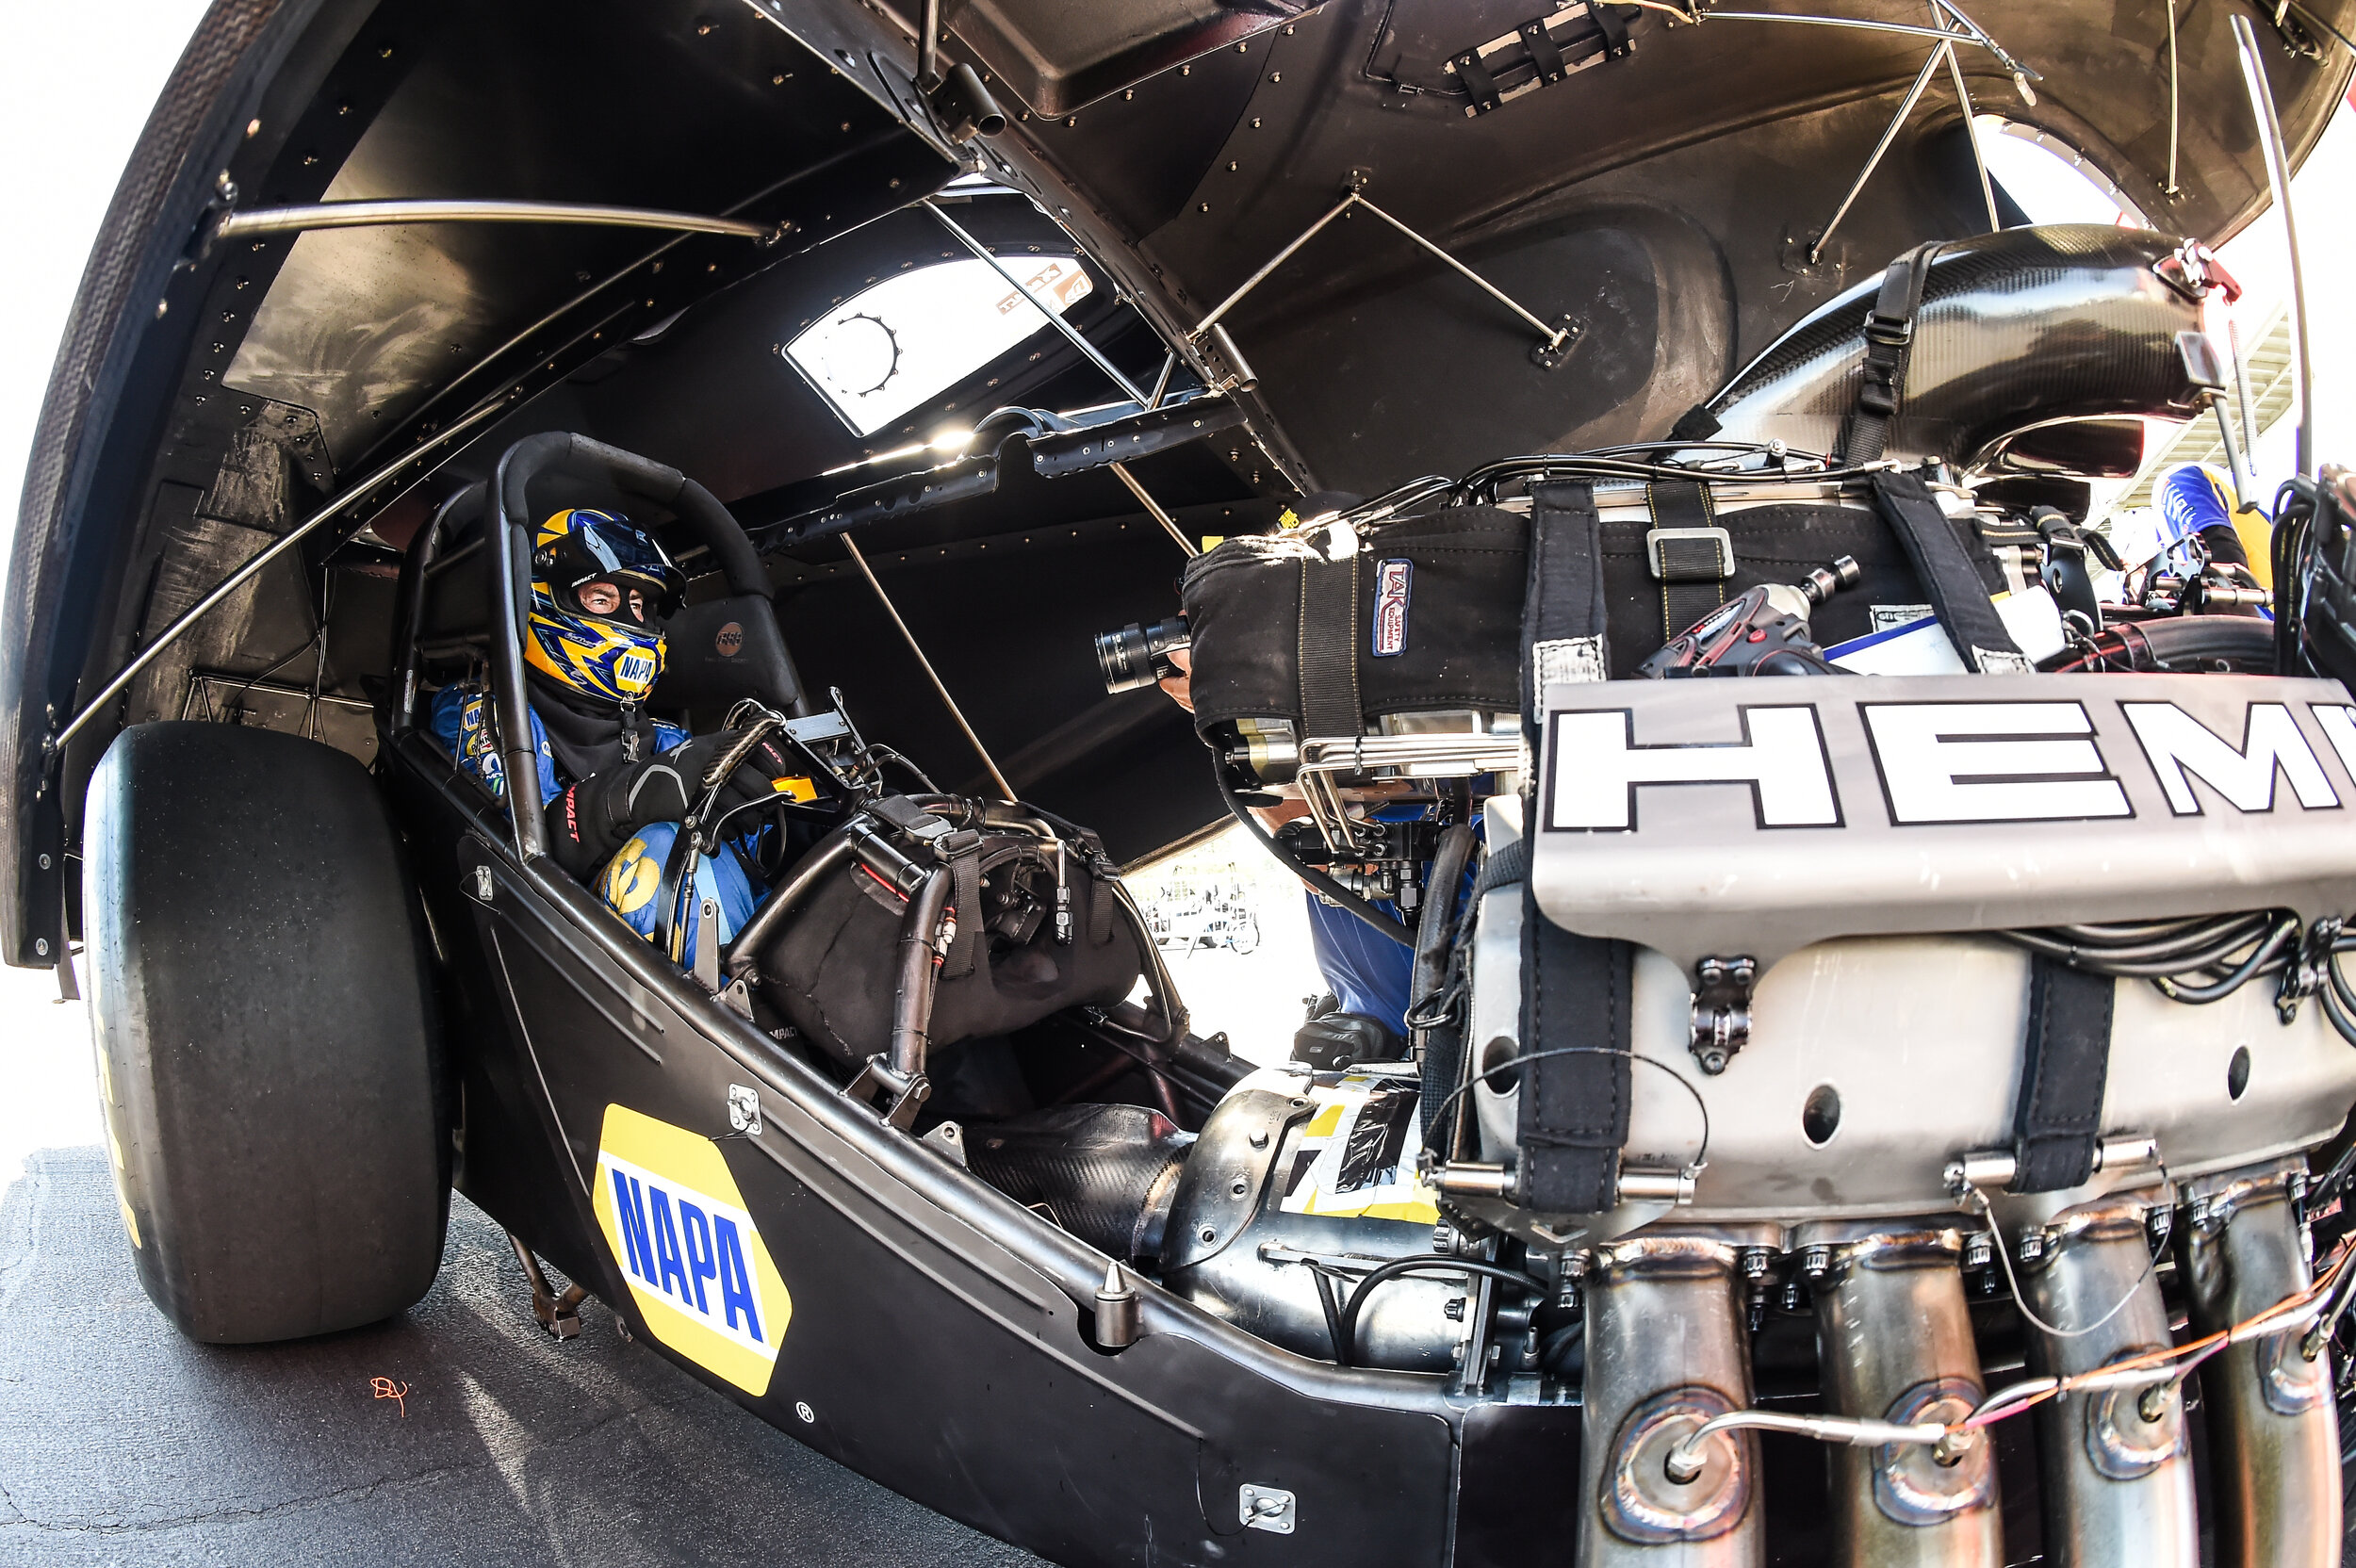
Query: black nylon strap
[679, 866]
[1562, 612]
[1329, 649]
[1613, 27]
[2063, 1074]
[1543, 53]
[1958, 594]
[1572, 1118]
[1692, 572]
[1575, 990]
[1479, 85]
[965, 899]
[1889, 340]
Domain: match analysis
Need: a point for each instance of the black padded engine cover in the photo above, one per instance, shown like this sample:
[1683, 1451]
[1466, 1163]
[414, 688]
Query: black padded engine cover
[833, 971]
[1455, 641]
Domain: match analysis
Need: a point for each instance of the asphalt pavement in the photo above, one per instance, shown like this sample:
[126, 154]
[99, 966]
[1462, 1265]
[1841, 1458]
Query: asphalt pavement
[122, 1443]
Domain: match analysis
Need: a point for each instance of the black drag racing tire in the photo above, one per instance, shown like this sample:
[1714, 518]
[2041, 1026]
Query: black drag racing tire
[261, 995]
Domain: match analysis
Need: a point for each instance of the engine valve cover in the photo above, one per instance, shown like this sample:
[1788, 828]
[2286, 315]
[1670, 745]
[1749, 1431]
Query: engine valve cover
[1721, 818]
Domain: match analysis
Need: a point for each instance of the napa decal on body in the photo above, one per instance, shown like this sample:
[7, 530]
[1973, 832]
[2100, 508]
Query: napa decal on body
[701, 1276]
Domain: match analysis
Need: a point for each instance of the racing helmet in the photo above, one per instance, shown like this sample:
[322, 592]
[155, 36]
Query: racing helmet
[614, 655]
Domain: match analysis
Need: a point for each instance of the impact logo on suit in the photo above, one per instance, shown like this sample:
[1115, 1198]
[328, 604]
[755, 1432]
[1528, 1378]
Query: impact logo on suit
[698, 1271]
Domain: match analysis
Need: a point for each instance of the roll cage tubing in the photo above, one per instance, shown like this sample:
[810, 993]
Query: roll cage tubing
[509, 518]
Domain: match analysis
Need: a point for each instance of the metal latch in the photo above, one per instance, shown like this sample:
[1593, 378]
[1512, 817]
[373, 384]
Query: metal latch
[1266, 1508]
[1722, 1011]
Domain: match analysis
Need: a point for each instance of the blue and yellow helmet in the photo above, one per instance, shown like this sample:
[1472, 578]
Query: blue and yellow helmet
[611, 646]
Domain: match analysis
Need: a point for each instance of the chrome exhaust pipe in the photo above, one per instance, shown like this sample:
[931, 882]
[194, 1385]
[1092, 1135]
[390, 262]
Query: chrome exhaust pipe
[1895, 1342]
[2273, 1435]
[2116, 1479]
[1666, 1351]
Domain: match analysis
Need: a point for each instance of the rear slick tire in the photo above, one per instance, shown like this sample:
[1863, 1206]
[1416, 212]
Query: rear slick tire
[260, 992]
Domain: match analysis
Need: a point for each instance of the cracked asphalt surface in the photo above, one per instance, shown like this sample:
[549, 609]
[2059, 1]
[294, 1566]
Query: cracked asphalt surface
[122, 1443]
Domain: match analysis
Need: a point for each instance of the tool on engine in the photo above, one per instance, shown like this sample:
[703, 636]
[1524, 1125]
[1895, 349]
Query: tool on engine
[1137, 656]
[1762, 631]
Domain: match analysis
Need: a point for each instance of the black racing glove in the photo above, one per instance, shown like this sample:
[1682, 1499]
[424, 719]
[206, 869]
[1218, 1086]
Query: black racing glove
[591, 821]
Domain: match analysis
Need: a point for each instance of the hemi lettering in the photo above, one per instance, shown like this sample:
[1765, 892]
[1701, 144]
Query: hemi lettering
[2178, 744]
[2339, 727]
[1597, 769]
[1991, 761]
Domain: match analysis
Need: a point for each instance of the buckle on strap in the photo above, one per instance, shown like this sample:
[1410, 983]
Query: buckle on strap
[1893, 332]
[1690, 554]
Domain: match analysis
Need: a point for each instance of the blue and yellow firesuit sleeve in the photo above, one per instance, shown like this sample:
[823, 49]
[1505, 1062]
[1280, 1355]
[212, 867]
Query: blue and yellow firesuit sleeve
[460, 720]
[633, 877]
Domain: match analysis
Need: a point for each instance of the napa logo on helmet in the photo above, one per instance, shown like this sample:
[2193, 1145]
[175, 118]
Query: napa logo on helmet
[615, 657]
[698, 1271]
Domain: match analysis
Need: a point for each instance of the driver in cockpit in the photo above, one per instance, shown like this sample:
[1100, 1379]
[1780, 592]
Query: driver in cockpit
[616, 780]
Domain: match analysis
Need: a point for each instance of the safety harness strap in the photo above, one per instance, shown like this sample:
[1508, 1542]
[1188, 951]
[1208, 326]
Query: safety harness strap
[1562, 612]
[677, 882]
[1573, 1109]
[2063, 1074]
[1329, 704]
[1691, 556]
[1957, 592]
[1575, 990]
[1888, 341]
[965, 904]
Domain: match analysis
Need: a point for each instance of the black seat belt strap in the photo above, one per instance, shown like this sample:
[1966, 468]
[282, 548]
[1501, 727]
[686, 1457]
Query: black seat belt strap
[1572, 1118]
[1576, 990]
[1563, 613]
[2064, 1072]
[1958, 594]
[1889, 342]
[1328, 651]
[677, 884]
[964, 851]
[1691, 556]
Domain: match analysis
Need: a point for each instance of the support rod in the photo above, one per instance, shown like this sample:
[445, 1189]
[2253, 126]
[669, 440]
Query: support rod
[1005, 790]
[253, 565]
[1169, 525]
[2254, 76]
[1914, 96]
[2174, 105]
[1136, 394]
[1553, 335]
[1972, 131]
[1269, 266]
[354, 215]
[928, 47]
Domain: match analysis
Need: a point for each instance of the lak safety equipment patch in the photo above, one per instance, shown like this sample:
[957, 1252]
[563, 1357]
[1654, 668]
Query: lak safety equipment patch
[698, 1271]
[1394, 580]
